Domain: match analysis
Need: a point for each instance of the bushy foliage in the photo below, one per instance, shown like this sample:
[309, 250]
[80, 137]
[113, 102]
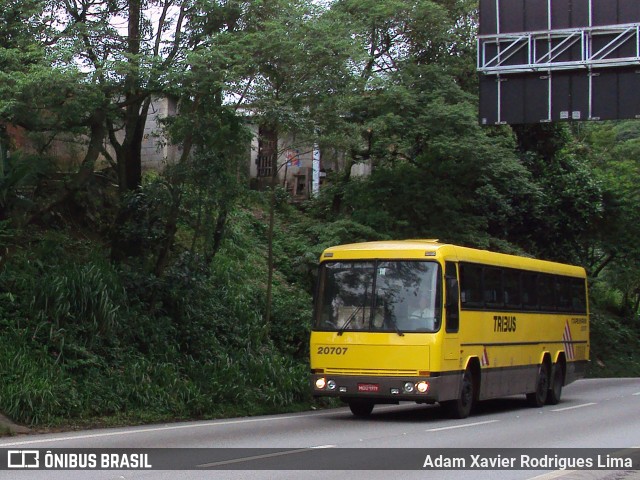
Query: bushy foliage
[615, 343]
[83, 337]
[18, 180]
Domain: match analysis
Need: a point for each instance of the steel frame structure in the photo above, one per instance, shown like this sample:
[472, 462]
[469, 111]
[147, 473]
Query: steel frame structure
[558, 42]
[586, 48]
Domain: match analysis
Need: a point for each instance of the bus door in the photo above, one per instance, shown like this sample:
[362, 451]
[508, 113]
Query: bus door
[451, 346]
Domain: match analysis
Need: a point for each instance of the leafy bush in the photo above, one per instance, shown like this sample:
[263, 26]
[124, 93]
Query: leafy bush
[614, 346]
[291, 321]
[606, 298]
[18, 181]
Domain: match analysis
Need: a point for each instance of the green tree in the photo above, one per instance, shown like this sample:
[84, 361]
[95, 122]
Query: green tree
[47, 102]
[569, 208]
[393, 44]
[410, 116]
[284, 61]
[439, 174]
[207, 179]
[613, 150]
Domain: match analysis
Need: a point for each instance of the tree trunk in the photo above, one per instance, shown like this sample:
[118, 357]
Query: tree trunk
[129, 156]
[170, 229]
[218, 233]
[272, 207]
[608, 259]
[171, 224]
[345, 177]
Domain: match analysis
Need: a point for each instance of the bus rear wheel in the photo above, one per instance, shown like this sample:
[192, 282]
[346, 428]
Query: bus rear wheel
[555, 389]
[361, 408]
[539, 397]
[461, 407]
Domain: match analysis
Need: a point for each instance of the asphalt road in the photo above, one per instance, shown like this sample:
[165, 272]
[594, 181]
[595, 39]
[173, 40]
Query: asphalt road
[595, 413]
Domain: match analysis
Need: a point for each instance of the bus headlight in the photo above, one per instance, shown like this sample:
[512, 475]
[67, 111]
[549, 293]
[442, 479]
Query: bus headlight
[321, 383]
[408, 387]
[331, 385]
[422, 387]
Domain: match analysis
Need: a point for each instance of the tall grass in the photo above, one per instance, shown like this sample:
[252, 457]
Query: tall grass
[34, 390]
[81, 338]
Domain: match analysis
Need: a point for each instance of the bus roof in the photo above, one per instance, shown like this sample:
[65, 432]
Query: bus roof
[426, 249]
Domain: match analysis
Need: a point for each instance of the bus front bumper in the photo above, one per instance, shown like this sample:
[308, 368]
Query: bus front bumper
[379, 389]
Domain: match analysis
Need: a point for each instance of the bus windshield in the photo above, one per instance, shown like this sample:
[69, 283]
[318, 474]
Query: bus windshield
[380, 296]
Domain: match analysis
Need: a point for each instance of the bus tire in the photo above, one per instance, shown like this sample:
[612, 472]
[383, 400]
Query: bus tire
[555, 389]
[462, 406]
[539, 397]
[361, 408]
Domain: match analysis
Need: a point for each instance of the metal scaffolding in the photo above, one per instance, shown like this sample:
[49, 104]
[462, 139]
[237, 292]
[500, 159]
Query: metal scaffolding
[546, 51]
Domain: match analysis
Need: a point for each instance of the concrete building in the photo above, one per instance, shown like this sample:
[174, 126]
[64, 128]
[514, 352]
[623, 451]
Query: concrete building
[301, 168]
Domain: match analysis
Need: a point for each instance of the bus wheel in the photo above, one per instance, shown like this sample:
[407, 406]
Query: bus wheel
[555, 389]
[539, 397]
[461, 408]
[361, 408]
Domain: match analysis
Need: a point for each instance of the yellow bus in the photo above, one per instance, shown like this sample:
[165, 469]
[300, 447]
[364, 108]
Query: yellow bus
[421, 321]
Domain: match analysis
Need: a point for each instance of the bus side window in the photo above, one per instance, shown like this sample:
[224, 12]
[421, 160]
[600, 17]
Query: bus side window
[512, 295]
[529, 291]
[578, 295]
[493, 291]
[470, 285]
[547, 292]
[563, 294]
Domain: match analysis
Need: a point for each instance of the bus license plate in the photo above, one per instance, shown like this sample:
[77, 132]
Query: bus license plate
[368, 387]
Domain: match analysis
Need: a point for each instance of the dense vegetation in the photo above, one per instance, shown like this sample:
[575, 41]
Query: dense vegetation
[182, 294]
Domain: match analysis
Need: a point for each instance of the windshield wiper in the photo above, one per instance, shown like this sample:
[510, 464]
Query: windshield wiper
[349, 320]
[396, 328]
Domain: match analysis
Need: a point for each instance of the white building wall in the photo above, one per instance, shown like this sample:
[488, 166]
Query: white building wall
[295, 156]
[156, 151]
[361, 169]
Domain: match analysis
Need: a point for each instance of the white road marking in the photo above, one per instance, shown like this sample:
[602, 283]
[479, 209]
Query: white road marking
[164, 429]
[461, 426]
[636, 394]
[573, 408]
[178, 427]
